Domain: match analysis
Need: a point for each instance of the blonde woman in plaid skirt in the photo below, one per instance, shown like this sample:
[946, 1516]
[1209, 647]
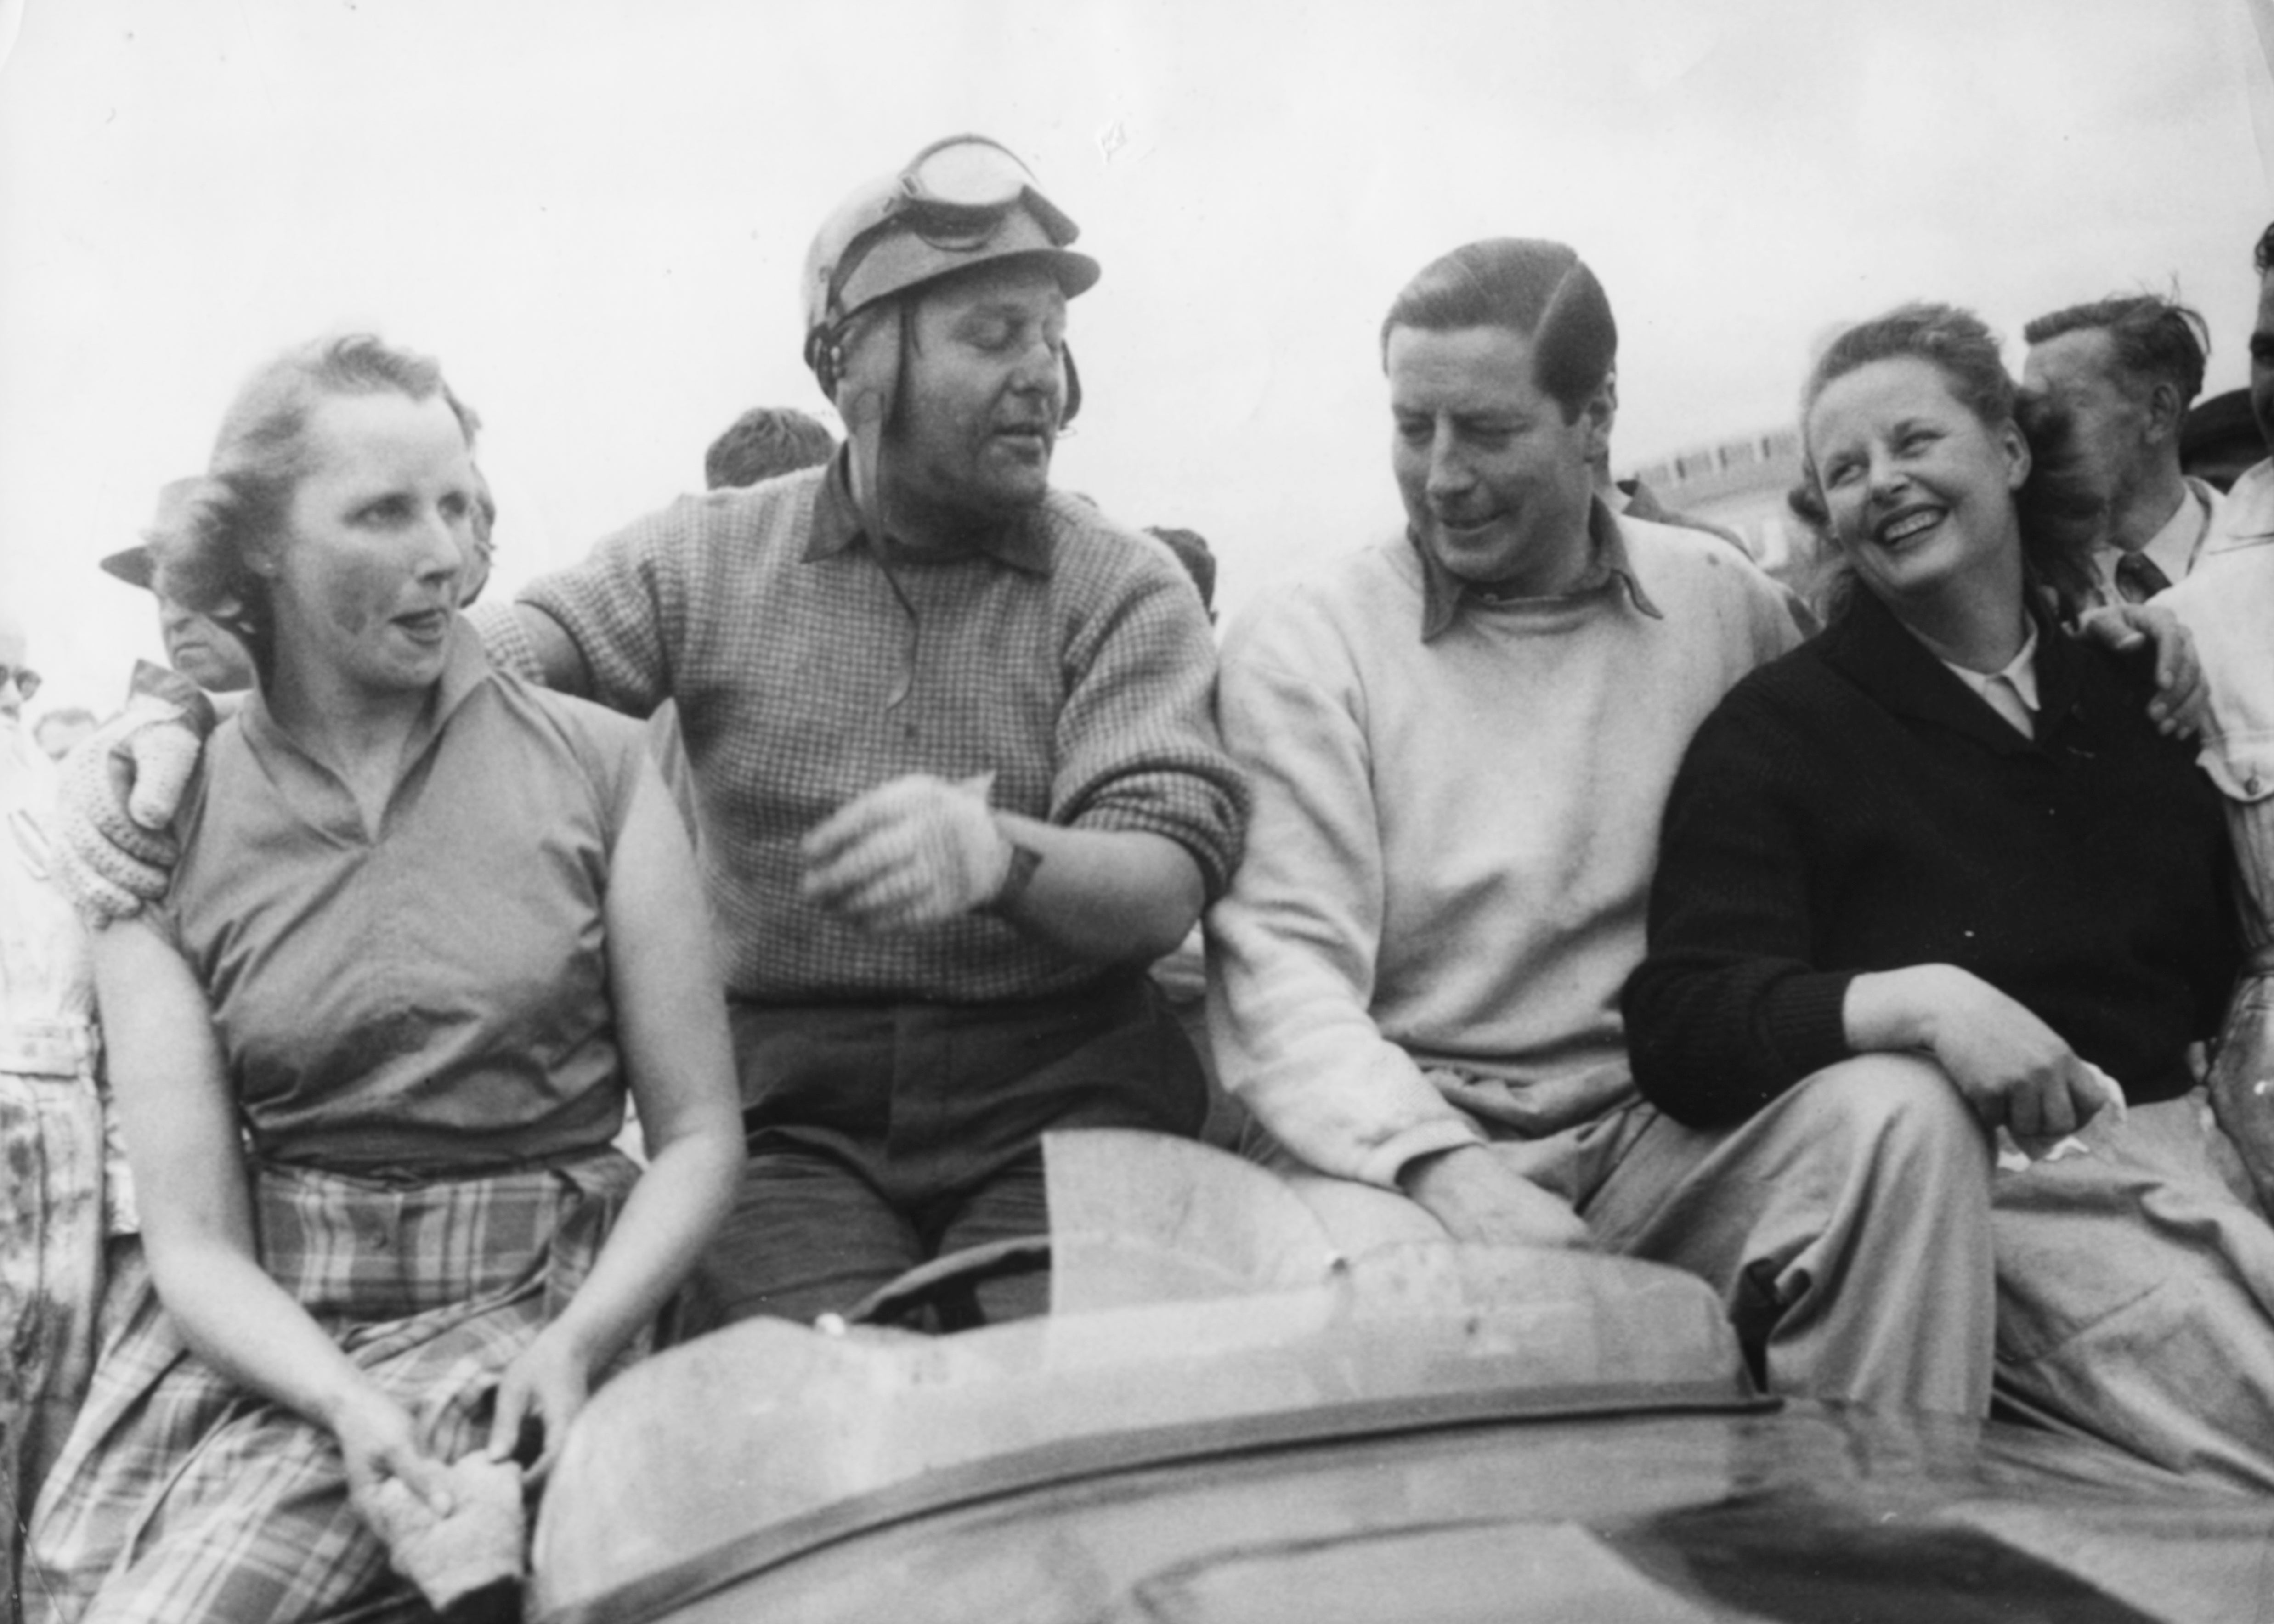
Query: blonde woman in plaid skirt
[429, 923]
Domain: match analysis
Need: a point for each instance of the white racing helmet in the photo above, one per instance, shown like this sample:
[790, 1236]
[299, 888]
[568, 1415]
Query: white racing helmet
[961, 202]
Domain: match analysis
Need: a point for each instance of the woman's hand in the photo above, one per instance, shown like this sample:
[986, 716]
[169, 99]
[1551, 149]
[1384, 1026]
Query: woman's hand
[2012, 1068]
[378, 1440]
[540, 1391]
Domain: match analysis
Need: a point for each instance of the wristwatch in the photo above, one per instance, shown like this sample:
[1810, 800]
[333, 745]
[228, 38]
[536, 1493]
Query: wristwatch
[1024, 861]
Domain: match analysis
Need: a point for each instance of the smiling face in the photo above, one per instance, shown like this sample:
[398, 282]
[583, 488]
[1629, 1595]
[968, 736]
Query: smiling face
[365, 584]
[1496, 482]
[1920, 490]
[982, 388]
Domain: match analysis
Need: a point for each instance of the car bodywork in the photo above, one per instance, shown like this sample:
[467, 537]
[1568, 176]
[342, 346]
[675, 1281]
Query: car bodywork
[1223, 1420]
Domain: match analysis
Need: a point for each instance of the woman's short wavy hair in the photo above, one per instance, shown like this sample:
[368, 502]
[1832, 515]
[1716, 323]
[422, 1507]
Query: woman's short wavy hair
[2057, 505]
[206, 558]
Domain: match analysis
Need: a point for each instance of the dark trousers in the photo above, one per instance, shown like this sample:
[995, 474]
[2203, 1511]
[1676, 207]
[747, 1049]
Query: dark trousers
[883, 1135]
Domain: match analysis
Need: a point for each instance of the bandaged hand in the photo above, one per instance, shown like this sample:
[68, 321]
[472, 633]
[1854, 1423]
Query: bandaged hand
[909, 853]
[120, 789]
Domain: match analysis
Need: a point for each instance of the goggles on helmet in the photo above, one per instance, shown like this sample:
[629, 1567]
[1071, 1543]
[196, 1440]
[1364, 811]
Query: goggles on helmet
[956, 196]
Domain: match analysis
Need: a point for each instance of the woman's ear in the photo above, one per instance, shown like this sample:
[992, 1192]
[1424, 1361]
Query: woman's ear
[2016, 447]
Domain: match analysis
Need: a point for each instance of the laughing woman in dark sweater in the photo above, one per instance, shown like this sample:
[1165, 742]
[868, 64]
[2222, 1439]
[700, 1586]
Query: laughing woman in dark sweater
[1944, 830]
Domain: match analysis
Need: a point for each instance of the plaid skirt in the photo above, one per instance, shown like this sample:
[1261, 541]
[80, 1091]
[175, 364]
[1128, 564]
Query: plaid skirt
[181, 1496]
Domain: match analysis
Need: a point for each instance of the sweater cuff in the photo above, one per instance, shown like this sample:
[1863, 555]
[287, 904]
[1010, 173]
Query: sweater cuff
[1804, 1021]
[1387, 1160]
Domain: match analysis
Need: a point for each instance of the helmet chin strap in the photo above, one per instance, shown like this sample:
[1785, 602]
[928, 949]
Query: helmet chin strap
[867, 363]
[868, 378]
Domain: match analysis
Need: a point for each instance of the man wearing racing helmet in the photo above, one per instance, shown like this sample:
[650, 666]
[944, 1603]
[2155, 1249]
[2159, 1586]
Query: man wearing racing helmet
[954, 733]
[954, 730]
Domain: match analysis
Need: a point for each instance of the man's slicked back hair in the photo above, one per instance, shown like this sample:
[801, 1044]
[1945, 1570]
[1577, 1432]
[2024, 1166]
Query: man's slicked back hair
[1541, 289]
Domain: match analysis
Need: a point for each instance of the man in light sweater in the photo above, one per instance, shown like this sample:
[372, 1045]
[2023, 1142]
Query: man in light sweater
[1460, 741]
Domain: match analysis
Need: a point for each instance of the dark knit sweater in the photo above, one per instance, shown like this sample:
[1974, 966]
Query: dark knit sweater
[1855, 806]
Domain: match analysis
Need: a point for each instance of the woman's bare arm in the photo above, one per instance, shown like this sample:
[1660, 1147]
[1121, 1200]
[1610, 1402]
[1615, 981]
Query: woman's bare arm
[671, 1026]
[179, 1118]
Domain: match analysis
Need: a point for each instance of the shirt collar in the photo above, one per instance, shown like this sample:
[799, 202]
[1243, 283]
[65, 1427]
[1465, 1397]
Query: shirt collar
[2018, 679]
[1021, 541]
[2173, 546]
[1443, 593]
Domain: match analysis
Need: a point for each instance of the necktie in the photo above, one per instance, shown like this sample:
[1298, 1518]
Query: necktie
[2138, 579]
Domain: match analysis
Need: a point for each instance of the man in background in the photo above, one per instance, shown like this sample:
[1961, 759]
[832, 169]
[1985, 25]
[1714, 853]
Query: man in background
[199, 646]
[2125, 368]
[764, 443]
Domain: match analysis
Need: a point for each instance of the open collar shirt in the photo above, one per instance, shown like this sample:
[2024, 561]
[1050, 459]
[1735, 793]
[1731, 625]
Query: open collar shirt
[1070, 658]
[1445, 596]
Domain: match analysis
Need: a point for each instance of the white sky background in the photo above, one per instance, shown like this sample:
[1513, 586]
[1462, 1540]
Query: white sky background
[594, 211]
